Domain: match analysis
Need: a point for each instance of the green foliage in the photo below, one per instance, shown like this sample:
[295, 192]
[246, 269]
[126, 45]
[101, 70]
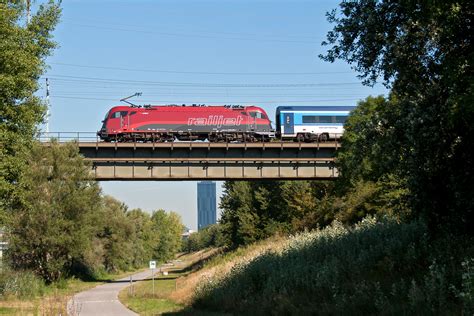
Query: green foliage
[211, 236]
[60, 208]
[142, 237]
[257, 210]
[124, 240]
[167, 227]
[20, 284]
[115, 236]
[66, 227]
[423, 132]
[369, 149]
[373, 268]
[22, 53]
[371, 181]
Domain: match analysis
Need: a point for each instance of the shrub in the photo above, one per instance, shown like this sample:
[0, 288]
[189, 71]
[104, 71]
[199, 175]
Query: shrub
[372, 268]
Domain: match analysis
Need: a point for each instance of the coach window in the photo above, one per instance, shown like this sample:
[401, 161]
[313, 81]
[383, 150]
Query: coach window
[310, 119]
[325, 119]
[341, 119]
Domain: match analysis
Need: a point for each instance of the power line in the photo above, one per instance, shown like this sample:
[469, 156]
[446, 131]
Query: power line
[222, 94]
[312, 37]
[197, 84]
[206, 73]
[220, 102]
[190, 35]
[104, 86]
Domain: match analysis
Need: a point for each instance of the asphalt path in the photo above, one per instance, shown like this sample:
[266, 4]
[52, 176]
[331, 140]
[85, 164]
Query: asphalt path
[103, 299]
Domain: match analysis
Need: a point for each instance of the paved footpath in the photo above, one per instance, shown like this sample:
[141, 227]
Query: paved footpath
[103, 299]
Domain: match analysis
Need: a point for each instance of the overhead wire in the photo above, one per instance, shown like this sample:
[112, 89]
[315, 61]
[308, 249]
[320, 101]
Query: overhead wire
[204, 72]
[199, 31]
[177, 101]
[222, 93]
[190, 35]
[196, 84]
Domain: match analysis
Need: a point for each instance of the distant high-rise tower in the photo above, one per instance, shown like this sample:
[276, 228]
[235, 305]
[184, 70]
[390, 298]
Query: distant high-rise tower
[206, 198]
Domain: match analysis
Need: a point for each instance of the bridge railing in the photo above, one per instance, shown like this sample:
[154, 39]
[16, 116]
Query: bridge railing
[83, 137]
[92, 137]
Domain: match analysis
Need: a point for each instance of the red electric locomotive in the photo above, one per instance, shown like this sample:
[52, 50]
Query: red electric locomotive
[196, 122]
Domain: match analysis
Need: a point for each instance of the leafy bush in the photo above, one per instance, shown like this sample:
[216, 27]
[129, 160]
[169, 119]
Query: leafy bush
[211, 236]
[373, 268]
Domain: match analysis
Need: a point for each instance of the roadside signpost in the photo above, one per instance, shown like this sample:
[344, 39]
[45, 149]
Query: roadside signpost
[153, 267]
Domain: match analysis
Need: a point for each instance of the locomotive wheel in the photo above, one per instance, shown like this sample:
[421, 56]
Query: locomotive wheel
[323, 137]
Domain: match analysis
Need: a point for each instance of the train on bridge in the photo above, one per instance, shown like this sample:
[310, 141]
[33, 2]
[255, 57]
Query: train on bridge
[227, 123]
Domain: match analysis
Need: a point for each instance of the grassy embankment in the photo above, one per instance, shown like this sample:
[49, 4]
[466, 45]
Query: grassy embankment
[25, 294]
[372, 268]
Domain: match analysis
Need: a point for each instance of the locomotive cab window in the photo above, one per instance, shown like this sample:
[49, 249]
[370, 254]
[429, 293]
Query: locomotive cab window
[119, 114]
[257, 115]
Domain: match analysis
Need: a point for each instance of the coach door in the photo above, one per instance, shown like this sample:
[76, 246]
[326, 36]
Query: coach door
[288, 123]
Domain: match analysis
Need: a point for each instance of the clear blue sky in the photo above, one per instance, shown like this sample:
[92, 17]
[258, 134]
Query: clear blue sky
[213, 52]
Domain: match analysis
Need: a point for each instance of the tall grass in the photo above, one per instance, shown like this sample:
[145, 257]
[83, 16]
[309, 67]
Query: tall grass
[372, 268]
[20, 284]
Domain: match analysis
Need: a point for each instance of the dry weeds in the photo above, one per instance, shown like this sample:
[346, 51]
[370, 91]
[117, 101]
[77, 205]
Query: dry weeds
[186, 285]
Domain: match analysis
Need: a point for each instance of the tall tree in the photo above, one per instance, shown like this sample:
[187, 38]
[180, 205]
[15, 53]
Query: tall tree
[23, 50]
[116, 235]
[239, 218]
[167, 228]
[58, 219]
[423, 51]
[142, 238]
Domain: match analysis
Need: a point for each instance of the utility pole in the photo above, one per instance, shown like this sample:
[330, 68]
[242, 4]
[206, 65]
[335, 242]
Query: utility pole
[28, 5]
[47, 108]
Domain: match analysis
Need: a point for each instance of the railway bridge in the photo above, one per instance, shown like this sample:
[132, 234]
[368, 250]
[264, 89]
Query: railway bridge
[135, 161]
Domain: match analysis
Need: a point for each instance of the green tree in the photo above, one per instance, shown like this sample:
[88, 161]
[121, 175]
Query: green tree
[238, 218]
[23, 50]
[124, 240]
[300, 201]
[167, 228]
[57, 221]
[423, 52]
[371, 181]
[210, 236]
[142, 237]
[259, 209]
[116, 235]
